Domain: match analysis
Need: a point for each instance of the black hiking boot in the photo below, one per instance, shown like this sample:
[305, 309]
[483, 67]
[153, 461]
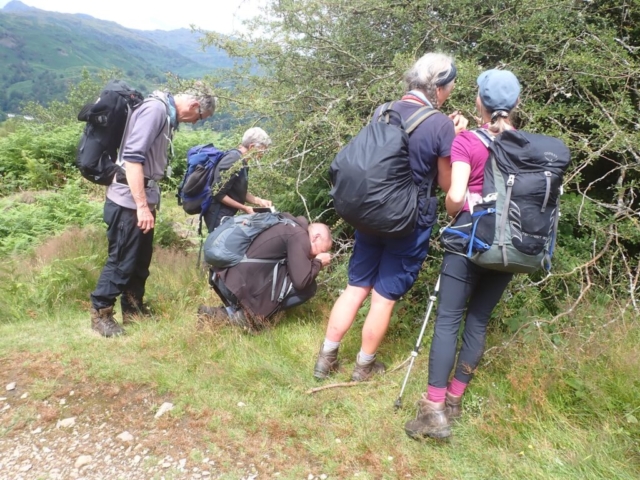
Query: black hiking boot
[102, 321]
[210, 316]
[431, 421]
[454, 406]
[326, 364]
[364, 371]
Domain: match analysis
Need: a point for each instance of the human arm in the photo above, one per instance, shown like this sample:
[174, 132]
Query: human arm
[444, 173]
[135, 179]
[230, 202]
[302, 270]
[457, 192]
[258, 201]
[460, 122]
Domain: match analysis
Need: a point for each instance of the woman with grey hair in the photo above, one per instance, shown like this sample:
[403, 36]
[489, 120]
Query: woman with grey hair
[386, 267]
[232, 190]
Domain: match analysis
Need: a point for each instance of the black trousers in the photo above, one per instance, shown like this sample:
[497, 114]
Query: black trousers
[212, 216]
[464, 286]
[293, 298]
[127, 267]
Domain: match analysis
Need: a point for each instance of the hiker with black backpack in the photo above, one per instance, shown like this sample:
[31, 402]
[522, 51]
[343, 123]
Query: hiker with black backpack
[132, 198]
[387, 255]
[511, 181]
[263, 263]
[231, 179]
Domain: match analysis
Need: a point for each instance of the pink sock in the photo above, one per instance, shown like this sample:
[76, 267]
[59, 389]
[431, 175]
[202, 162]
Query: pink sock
[456, 388]
[435, 394]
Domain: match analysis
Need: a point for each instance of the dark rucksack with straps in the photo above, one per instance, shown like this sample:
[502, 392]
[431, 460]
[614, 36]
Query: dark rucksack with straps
[515, 226]
[106, 120]
[373, 188]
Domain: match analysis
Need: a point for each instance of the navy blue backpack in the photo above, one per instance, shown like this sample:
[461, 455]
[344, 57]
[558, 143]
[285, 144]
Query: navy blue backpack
[195, 190]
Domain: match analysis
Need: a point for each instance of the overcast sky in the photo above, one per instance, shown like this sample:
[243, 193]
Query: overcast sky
[218, 15]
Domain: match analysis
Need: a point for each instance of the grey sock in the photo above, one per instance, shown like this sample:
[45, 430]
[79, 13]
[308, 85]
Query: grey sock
[329, 346]
[365, 358]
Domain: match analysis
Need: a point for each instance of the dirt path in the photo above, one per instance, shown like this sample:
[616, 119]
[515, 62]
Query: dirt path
[52, 427]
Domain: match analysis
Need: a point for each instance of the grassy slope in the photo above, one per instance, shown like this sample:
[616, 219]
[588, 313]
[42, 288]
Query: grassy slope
[535, 410]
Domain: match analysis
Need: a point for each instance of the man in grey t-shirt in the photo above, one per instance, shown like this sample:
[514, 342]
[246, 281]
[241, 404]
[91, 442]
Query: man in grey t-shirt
[132, 198]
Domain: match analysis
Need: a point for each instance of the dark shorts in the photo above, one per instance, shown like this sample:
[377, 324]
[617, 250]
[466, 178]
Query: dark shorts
[389, 265]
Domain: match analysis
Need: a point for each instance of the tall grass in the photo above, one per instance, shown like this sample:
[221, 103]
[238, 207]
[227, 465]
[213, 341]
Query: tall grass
[543, 406]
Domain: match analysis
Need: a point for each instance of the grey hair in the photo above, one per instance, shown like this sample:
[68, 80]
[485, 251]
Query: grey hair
[424, 74]
[255, 136]
[201, 93]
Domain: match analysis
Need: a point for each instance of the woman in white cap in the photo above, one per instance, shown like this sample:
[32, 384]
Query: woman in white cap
[463, 284]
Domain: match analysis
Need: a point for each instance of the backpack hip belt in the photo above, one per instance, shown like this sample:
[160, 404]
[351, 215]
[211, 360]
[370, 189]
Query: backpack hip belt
[121, 178]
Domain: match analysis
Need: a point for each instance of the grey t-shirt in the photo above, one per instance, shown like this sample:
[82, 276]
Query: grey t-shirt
[146, 141]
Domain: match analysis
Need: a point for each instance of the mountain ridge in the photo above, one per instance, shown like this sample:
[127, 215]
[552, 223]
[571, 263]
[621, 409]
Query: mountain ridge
[41, 52]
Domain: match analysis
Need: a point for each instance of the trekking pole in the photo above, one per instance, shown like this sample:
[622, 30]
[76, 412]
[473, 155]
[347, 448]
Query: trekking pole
[432, 299]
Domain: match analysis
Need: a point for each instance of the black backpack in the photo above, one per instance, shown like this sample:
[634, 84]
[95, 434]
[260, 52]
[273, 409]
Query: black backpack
[514, 228]
[102, 137]
[373, 188]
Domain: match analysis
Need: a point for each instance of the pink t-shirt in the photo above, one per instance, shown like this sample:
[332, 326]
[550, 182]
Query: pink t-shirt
[468, 148]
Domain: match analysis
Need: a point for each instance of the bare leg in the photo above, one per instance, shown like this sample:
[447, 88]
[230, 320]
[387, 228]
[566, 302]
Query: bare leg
[376, 323]
[344, 311]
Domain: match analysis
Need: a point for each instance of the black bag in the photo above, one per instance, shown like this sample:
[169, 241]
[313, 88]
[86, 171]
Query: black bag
[373, 188]
[106, 121]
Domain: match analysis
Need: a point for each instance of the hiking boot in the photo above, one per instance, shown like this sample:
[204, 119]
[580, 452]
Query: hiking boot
[326, 364]
[210, 316]
[102, 321]
[132, 308]
[454, 406]
[431, 421]
[239, 319]
[363, 372]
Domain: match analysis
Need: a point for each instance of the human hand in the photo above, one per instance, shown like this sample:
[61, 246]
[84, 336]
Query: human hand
[325, 258]
[248, 209]
[263, 203]
[146, 222]
[460, 122]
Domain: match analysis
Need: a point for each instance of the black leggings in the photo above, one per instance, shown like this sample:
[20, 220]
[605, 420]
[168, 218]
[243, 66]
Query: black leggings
[462, 281]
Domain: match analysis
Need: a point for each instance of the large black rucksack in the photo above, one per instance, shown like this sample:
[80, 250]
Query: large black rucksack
[106, 121]
[516, 223]
[373, 188]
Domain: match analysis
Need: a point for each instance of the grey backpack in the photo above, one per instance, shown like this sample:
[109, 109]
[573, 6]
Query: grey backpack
[227, 245]
[517, 221]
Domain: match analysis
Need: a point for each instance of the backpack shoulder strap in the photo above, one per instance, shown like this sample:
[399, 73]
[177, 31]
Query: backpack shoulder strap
[418, 117]
[383, 108]
[485, 137]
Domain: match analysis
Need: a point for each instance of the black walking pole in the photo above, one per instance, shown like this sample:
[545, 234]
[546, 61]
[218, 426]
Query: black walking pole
[416, 349]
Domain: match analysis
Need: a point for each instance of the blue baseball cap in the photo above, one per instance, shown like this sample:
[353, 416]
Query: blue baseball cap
[498, 89]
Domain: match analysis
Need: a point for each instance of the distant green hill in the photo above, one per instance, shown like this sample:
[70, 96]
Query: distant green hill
[41, 52]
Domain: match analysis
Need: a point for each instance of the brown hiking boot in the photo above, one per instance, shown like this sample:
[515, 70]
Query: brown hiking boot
[454, 406]
[431, 421]
[326, 363]
[363, 372]
[102, 321]
[210, 316]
